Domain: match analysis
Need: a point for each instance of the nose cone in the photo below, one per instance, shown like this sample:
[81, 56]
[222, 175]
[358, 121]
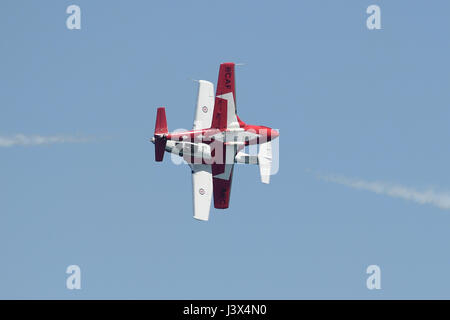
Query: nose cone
[274, 134]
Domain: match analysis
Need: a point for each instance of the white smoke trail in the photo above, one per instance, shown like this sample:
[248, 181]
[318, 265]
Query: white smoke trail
[428, 196]
[34, 140]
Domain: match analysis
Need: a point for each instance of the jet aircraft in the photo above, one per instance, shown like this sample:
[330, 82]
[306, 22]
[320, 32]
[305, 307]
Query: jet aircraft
[215, 143]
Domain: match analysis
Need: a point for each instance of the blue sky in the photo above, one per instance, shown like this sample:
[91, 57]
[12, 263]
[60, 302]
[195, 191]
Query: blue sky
[368, 105]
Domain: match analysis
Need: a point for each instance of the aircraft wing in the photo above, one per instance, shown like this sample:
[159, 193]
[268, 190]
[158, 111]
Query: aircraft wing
[222, 176]
[225, 103]
[205, 105]
[222, 187]
[202, 190]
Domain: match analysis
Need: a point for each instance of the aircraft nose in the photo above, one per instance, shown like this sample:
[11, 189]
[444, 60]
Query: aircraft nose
[274, 134]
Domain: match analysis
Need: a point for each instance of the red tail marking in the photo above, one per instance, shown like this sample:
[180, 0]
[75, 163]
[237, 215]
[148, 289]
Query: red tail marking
[160, 147]
[161, 122]
[160, 131]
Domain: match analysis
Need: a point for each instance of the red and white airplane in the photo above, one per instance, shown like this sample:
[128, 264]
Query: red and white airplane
[215, 143]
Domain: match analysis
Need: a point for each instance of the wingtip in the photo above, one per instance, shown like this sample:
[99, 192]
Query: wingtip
[200, 218]
[265, 179]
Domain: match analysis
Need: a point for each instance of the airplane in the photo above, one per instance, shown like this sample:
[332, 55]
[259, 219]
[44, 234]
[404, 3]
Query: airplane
[215, 143]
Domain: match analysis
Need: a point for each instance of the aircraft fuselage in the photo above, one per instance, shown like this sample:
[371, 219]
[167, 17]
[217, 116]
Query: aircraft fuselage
[205, 145]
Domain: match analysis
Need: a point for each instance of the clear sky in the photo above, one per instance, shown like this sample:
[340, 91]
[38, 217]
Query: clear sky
[363, 104]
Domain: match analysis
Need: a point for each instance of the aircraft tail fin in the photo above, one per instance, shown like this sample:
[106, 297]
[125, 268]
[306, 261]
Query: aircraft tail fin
[161, 122]
[160, 138]
[265, 161]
